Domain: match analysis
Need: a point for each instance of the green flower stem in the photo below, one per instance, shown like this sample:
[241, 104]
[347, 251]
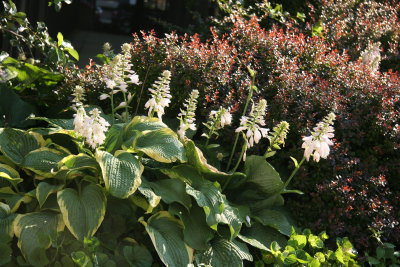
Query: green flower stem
[210, 134]
[293, 173]
[112, 106]
[241, 154]
[244, 113]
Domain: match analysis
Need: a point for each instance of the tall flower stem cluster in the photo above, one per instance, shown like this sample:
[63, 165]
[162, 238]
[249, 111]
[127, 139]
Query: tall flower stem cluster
[218, 119]
[160, 95]
[120, 75]
[92, 128]
[251, 125]
[250, 95]
[317, 144]
[277, 138]
[187, 115]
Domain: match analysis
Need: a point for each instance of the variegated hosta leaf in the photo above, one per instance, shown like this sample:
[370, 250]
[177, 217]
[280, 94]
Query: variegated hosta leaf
[162, 145]
[196, 232]
[44, 161]
[208, 196]
[196, 159]
[9, 174]
[138, 256]
[15, 144]
[14, 199]
[44, 190]
[79, 165]
[144, 124]
[261, 237]
[275, 219]
[147, 199]
[82, 212]
[6, 223]
[35, 232]
[166, 233]
[121, 173]
[260, 173]
[171, 190]
[114, 138]
[224, 253]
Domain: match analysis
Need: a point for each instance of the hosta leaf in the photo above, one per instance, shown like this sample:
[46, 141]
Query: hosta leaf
[44, 161]
[114, 138]
[13, 199]
[261, 236]
[195, 158]
[274, 219]
[172, 190]
[224, 253]
[143, 124]
[152, 199]
[162, 145]
[121, 174]
[138, 256]
[9, 174]
[36, 232]
[79, 165]
[82, 212]
[166, 233]
[6, 223]
[43, 190]
[196, 232]
[15, 144]
[66, 124]
[260, 173]
[5, 253]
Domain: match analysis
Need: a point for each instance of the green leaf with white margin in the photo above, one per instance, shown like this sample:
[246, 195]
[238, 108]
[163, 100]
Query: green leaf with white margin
[44, 190]
[78, 165]
[196, 232]
[121, 173]
[274, 219]
[166, 233]
[224, 253]
[9, 174]
[35, 232]
[261, 237]
[84, 212]
[13, 199]
[260, 173]
[138, 256]
[152, 199]
[6, 223]
[44, 161]
[162, 145]
[196, 158]
[15, 144]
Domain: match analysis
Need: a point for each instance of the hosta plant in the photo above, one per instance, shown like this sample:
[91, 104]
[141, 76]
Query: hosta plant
[124, 190]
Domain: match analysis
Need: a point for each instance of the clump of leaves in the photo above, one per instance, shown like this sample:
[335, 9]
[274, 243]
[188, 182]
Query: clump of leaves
[307, 249]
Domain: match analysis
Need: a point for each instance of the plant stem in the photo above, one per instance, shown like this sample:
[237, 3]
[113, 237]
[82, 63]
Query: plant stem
[141, 90]
[241, 155]
[293, 173]
[244, 113]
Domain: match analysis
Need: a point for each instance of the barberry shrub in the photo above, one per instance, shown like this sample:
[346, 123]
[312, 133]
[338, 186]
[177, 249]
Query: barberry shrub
[302, 78]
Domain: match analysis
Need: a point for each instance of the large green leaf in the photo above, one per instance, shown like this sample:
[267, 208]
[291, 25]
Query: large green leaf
[261, 174]
[209, 197]
[138, 256]
[44, 161]
[44, 190]
[121, 174]
[66, 124]
[15, 144]
[6, 223]
[274, 219]
[13, 110]
[5, 253]
[9, 174]
[150, 199]
[166, 233]
[261, 236]
[82, 212]
[36, 232]
[171, 190]
[143, 124]
[195, 158]
[114, 138]
[79, 165]
[162, 145]
[224, 253]
[196, 232]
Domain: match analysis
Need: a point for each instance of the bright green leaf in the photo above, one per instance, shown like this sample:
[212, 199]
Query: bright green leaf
[60, 38]
[261, 236]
